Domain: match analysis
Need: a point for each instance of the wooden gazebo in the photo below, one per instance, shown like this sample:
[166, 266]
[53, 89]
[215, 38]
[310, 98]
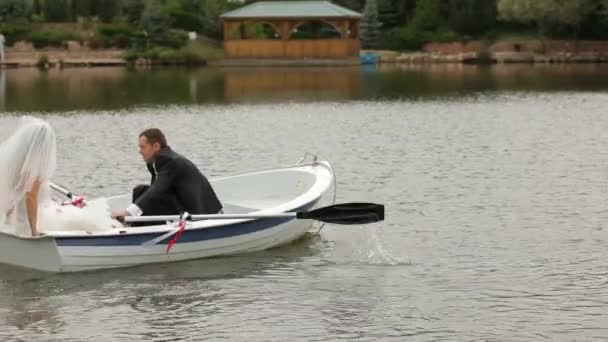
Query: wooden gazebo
[292, 30]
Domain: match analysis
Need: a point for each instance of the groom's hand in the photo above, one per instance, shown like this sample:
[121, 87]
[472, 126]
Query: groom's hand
[122, 213]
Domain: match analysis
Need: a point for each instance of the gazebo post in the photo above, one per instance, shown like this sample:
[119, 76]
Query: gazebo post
[227, 30]
[284, 25]
[243, 32]
[344, 27]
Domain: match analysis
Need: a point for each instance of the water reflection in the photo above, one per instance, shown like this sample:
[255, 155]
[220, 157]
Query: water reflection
[29, 308]
[193, 87]
[160, 299]
[391, 81]
[267, 84]
[117, 88]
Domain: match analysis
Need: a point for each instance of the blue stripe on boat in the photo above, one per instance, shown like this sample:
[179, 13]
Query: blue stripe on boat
[192, 235]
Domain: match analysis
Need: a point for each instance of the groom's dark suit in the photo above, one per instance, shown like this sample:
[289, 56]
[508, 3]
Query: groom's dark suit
[176, 186]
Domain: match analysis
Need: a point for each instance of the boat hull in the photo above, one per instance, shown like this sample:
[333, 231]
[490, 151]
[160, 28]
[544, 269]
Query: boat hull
[257, 235]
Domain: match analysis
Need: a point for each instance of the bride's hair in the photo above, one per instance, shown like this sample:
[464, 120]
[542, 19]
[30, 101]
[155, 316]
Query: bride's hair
[28, 155]
[39, 157]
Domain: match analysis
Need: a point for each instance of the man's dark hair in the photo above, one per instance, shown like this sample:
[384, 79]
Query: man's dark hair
[154, 135]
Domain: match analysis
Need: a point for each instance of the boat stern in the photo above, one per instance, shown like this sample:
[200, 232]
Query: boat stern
[33, 253]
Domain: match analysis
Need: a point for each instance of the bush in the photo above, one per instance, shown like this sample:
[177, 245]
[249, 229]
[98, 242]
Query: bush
[141, 40]
[14, 32]
[131, 55]
[408, 38]
[42, 39]
[195, 53]
[172, 39]
[117, 35]
[444, 36]
[166, 56]
[38, 18]
[405, 38]
[152, 54]
[116, 30]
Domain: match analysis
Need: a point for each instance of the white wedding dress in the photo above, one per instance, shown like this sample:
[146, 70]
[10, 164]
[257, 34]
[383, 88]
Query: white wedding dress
[27, 156]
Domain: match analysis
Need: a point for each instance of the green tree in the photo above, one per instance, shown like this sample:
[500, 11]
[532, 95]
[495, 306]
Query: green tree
[595, 24]
[548, 16]
[370, 26]
[429, 15]
[106, 10]
[194, 6]
[15, 11]
[472, 17]
[132, 10]
[152, 19]
[212, 24]
[571, 13]
[82, 8]
[388, 13]
[37, 7]
[56, 10]
[185, 14]
[603, 8]
[406, 8]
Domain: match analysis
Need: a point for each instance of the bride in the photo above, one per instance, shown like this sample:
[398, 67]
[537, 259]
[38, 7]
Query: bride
[27, 163]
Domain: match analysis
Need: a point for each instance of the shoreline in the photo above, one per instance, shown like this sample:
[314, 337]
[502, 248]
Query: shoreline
[476, 52]
[491, 58]
[502, 52]
[29, 63]
[392, 58]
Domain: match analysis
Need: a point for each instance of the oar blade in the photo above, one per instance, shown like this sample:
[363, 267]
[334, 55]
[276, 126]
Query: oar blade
[347, 213]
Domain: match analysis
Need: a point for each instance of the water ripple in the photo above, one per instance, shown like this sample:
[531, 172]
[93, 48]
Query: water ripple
[494, 227]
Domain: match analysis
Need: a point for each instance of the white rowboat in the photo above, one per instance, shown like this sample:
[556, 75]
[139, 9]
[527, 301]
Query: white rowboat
[264, 193]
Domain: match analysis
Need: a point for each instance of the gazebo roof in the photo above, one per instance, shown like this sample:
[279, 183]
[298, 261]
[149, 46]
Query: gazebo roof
[291, 9]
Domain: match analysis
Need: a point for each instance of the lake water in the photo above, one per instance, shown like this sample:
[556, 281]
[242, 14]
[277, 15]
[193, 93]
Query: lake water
[494, 181]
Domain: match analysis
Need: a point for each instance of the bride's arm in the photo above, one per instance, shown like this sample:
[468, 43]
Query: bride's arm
[31, 203]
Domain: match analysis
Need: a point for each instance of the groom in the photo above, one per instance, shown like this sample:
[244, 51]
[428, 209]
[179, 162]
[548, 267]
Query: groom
[177, 185]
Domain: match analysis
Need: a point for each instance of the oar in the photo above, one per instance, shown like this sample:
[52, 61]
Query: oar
[346, 213]
[61, 190]
[76, 200]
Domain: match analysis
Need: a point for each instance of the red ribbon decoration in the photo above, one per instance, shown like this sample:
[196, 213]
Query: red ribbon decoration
[182, 226]
[78, 202]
